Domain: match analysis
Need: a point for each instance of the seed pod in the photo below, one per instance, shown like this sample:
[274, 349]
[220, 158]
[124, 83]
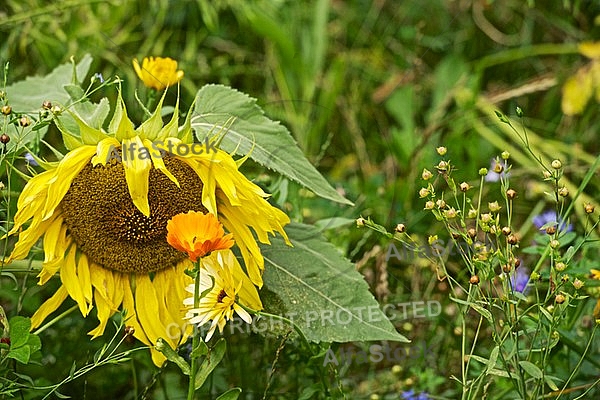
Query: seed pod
[474, 280]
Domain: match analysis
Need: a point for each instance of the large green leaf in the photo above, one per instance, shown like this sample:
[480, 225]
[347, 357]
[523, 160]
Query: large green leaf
[27, 96]
[221, 109]
[320, 290]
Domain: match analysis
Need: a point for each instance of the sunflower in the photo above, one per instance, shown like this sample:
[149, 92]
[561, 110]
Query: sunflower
[103, 209]
[158, 72]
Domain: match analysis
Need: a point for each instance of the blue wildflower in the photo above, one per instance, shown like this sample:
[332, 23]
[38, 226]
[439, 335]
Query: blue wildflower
[520, 279]
[548, 217]
[411, 395]
[30, 160]
[99, 76]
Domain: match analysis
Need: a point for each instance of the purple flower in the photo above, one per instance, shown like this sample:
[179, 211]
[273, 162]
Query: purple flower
[519, 280]
[493, 176]
[411, 395]
[30, 160]
[548, 217]
[99, 76]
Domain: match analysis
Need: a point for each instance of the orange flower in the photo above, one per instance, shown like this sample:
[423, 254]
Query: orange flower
[197, 234]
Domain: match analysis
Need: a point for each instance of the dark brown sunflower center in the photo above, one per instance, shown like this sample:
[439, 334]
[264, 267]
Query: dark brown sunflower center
[112, 232]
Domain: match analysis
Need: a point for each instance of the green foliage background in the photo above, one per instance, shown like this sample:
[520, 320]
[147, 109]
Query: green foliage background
[368, 89]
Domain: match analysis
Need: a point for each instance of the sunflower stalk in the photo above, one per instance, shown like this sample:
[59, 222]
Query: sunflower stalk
[195, 336]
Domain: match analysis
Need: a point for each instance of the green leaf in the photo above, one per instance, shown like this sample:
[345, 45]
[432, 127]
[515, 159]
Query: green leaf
[492, 361]
[550, 381]
[531, 369]
[34, 343]
[21, 354]
[334, 223]
[172, 356]
[321, 291]
[485, 313]
[247, 130]
[213, 358]
[231, 394]
[27, 96]
[19, 331]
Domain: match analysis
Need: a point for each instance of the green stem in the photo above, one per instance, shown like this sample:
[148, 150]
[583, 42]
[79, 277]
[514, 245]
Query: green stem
[195, 337]
[55, 320]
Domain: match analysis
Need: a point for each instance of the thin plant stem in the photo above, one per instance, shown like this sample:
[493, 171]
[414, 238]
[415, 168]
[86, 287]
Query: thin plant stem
[195, 337]
[55, 320]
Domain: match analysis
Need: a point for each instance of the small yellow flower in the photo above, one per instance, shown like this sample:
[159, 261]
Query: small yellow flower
[197, 234]
[595, 274]
[157, 72]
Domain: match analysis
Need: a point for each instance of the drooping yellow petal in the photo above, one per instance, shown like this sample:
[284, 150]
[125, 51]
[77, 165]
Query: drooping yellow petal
[56, 243]
[49, 307]
[137, 170]
[32, 200]
[69, 279]
[103, 312]
[68, 168]
[83, 274]
[105, 151]
[576, 92]
[158, 162]
[146, 307]
[131, 318]
[590, 49]
[28, 238]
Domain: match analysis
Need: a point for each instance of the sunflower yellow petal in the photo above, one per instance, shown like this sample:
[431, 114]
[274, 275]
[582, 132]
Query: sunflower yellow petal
[169, 302]
[68, 168]
[209, 199]
[28, 238]
[146, 308]
[158, 162]
[69, 279]
[105, 150]
[32, 200]
[56, 243]
[137, 171]
[107, 284]
[131, 315]
[49, 307]
[103, 312]
[83, 274]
